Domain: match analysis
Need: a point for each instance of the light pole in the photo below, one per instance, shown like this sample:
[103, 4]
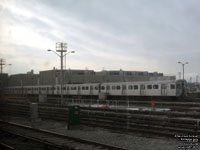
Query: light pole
[183, 65]
[62, 48]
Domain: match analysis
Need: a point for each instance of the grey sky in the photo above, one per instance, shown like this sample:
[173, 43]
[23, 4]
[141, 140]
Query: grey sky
[145, 35]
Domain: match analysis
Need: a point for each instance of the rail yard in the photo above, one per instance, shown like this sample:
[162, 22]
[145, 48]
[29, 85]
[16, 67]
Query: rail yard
[141, 119]
[162, 113]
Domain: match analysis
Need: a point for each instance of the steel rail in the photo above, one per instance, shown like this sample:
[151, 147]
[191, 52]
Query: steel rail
[79, 140]
[36, 140]
[5, 146]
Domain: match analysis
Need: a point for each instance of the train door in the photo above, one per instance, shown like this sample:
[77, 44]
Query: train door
[163, 90]
[53, 89]
[79, 90]
[47, 90]
[91, 88]
[108, 89]
[142, 89]
[99, 88]
[123, 89]
[32, 90]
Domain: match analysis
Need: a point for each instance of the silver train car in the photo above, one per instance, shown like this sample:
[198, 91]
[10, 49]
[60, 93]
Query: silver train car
[172, 88]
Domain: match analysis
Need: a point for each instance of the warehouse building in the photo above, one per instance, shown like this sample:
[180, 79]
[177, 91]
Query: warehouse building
[52, 77]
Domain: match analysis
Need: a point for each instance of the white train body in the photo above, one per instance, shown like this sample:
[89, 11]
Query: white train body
[144, 88]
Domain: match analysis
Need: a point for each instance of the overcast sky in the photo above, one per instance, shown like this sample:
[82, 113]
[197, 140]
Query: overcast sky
[141, 35]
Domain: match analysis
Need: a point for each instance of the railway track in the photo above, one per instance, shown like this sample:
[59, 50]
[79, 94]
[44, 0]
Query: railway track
[51, 139]
[163, 123]
[5, 146]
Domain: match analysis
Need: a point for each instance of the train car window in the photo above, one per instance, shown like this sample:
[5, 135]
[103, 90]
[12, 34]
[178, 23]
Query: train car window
[108, 87]
[118, 87]
[135, 87]
[96, 88]
[83, 88]
[149, 86]
[71, 88]
[74, 88]
[103, 87]
[172, 86]
[58, 88]
[64, 88]
[68, 88]
[155, 86]
[113, 87]
[86, 88]
[130, 87]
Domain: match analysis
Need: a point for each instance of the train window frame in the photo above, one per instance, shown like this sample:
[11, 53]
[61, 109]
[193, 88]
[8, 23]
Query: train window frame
[172, 86]
[130, 87]
[113, 87]
[86, 88]
[75, 88]
[155, 86]
[149, 87]
[135, 87]
[103, 87]
[83, 88]
[96, 88]
[118, 87]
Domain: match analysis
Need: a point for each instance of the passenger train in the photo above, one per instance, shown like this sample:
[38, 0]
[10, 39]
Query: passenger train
[172, 88]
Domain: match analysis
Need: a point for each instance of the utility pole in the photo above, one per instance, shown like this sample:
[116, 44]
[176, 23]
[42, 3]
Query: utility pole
[62, 49]
[2, 64]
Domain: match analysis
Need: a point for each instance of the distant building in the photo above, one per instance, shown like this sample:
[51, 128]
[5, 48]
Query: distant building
[23, 79]
[3, 80]
[52, 77]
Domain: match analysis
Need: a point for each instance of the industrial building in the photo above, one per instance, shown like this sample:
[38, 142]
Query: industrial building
[52, 77]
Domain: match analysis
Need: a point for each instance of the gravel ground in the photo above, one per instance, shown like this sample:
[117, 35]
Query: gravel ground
[129, 141]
